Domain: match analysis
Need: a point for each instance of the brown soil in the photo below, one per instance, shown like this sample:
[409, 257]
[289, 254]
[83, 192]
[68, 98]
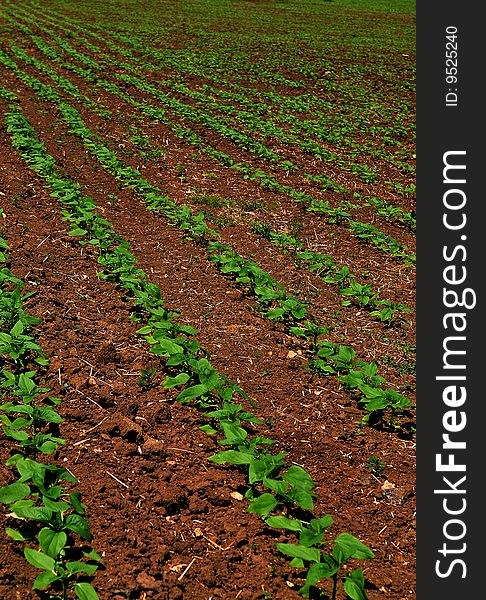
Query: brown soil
[168, 523]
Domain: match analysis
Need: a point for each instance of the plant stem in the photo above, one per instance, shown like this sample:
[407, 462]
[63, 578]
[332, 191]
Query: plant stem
[334, 586]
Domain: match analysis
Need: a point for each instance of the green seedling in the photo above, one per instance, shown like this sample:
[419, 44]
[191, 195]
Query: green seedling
[383, 406]
[24, 420]
[388, 311]
[362, 294]
[311, 332]
[262, 229]
[11, 310]
[146, 380]
[337, 216]
[290, 310]
[316, 261]
[28, 428]
[309, 553]
[19, 347]
[362, 374]
[340, 276]
[376, 466]
[282, 240]
[55, 518]
[290, 487]
[233, 413]
[364, 173]
[334, 358]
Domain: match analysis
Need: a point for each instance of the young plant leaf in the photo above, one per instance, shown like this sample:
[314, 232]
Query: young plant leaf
[15, 535]
[298, 478]
[92, 555]
[297, 563]
[299, 551]
[302, 499]
[167, 347]
[347, 546]
[180, 379]
[192, 392]
[85, 591]
[314, 533]
[44, 580]
[79, 525]
[278, 486]
[75, 501]
[47, 414]
[56, 507]
[77, 566]
[208, 429]
[51, 542]
[354, 585]
[233, 457]
[13, 492]
[235, 435]
[317, 571]
[35, 513]
[282, 522]
[49, 446]
[263, 504]
[39, 559]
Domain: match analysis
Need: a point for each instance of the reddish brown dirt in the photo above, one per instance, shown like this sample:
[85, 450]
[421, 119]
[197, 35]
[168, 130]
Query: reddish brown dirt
[148, 528]
[168, 523]
[394, 280]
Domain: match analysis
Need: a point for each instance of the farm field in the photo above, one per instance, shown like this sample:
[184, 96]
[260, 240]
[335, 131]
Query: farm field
[207, 299]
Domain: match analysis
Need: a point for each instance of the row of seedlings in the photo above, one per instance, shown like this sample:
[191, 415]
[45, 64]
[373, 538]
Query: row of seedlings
[50, 517]
[363, 231]
[277, 492]
[247, 97]
[383, 406]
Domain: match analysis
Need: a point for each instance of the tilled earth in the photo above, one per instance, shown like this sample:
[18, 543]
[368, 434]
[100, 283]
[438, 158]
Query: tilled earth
[171, 508]
[168, 523]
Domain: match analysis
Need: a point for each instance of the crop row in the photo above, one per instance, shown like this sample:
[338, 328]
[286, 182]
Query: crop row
[40, 500]
[250, 99]
[248, 118]
[361, 294]
[361, 230]
[273, 486]
[188, 113]
[275, 303]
